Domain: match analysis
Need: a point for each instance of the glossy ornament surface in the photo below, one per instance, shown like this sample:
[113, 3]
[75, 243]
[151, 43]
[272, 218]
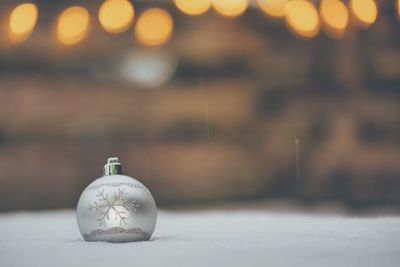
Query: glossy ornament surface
[116, 208]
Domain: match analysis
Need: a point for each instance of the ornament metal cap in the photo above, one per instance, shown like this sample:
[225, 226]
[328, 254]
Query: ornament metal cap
[113, 166]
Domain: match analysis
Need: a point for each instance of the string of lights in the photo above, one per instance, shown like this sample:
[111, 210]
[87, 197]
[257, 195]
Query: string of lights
[154, 26]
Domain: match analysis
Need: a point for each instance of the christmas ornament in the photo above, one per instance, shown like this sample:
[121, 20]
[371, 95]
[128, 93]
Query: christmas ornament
[116, 208]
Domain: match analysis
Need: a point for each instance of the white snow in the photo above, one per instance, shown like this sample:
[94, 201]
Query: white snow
[208, 238]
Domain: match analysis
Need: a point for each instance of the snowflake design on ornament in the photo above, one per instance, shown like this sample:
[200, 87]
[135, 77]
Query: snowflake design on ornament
[114, 205]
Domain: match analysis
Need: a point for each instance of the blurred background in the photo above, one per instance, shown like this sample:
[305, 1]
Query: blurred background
[205, 102]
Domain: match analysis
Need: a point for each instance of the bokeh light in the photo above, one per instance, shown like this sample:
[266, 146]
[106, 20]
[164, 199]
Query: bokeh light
[116, 15]
[148, 68]
[398, 7]
[193, 7]
[273, 8]
[230, 8]
[302, 18]
[334, 16]
[154, 27]
[23, 19]
[365, 11]
[73, 25]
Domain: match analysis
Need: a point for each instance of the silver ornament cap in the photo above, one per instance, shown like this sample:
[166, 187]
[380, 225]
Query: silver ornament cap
[116, 208]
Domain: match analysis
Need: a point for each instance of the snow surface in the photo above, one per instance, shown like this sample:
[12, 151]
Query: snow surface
[208, 238]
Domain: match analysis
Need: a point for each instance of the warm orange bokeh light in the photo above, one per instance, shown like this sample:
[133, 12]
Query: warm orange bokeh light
[23, 19]
[193, 7]
[398, 7]
[365, 11]
[230, 8]
[335, 17]
[73, 25]
[154, 27]
[116, 15]
[273, 8]
[302, 18]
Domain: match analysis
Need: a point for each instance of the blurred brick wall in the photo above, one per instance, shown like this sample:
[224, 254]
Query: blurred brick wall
[223, 128]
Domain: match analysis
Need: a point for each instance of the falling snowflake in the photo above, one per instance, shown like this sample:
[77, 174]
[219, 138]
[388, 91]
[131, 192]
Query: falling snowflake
[113, 205]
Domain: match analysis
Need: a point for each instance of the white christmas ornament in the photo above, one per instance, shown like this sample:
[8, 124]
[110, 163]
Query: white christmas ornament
[116, 208]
